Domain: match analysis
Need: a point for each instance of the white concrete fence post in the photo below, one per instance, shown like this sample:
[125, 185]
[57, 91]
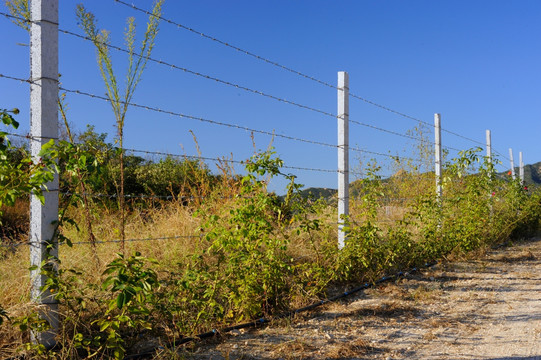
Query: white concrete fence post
[343, 154]
[489, 159]
[521, 168]
[489, 146]
[438, 155]
[43, 127]
[512, 163]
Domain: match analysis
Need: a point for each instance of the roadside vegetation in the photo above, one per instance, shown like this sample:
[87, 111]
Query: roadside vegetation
[228, 250]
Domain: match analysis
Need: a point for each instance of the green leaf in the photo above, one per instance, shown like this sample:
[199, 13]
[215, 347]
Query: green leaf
[105, 325]
[120, 300]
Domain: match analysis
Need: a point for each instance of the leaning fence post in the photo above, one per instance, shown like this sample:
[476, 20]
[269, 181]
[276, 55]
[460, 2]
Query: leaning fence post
[43, 127]
[512, 163]
[438, 154]
[343, 154]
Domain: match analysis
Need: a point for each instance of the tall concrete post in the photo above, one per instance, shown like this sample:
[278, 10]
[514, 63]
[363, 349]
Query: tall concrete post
[43, 127]
[521, 168]
[489, 158]
[512, 163]
[489, 146]
[438, 154]
[343, 154]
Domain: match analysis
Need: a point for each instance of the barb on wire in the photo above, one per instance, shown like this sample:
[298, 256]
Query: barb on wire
[412, 118]
[16, 78]
[309, 169]
[31, 137]
[193, 157]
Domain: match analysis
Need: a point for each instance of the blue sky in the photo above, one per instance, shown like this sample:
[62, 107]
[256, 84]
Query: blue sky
[475, 62]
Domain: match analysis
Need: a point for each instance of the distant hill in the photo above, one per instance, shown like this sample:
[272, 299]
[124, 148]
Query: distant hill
[532, 174]
[317, 193]
[532, 177]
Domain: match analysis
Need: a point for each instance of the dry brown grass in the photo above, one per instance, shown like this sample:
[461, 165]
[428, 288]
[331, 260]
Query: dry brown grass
[347, 350]
[14, 222]
[425, 294]
[387, 310]
[15, 277]
[524, 255]
[169, 220]
[294, 349]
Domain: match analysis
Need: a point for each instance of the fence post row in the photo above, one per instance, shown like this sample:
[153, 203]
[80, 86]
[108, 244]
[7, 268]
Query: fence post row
[512, 163]
[438, 154]
[343, 154]
[43, 127]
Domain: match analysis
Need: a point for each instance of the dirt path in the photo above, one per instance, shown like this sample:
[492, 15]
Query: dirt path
[482, 309]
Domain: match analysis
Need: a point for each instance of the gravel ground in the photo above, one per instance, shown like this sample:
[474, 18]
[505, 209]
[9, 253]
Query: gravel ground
[487, 308]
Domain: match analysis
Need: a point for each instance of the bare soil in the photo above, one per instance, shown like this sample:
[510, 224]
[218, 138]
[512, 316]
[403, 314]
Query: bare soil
[484, 308]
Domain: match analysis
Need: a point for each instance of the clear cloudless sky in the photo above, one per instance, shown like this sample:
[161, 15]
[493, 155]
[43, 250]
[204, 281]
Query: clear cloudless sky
[477, 62]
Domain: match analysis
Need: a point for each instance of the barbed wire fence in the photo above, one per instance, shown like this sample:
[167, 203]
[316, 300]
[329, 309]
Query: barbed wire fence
[420, 168]
[213, 122]
[171, 65]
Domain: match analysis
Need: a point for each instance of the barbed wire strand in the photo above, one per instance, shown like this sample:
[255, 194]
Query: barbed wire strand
[178, 25]
[407, 136]
[283, 67]
[260, 92]
[243, 162]
[208, 77]
[176, 114]
[237, 86]
[104, 241]
[223, 160]
[240, 127]
[198, 157]
[161, 153]
[244, 88]
[266, 60]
